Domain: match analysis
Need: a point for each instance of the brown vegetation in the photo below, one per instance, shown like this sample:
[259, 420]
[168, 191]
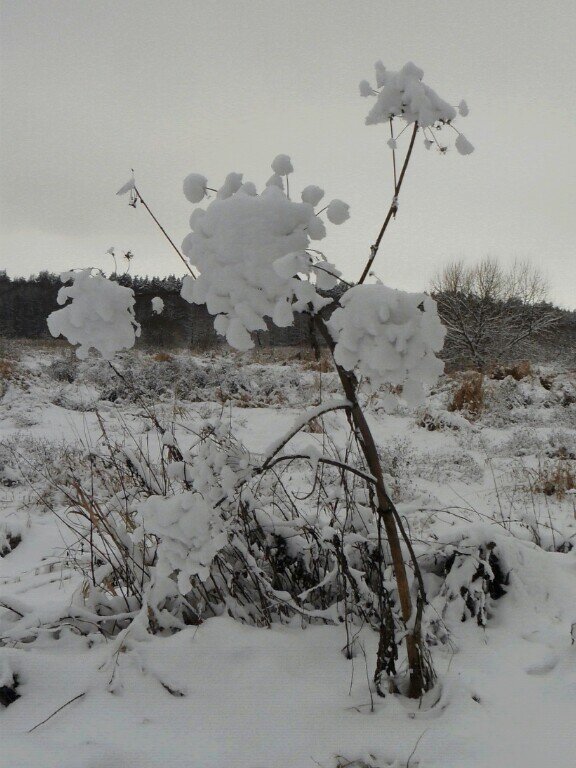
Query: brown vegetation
[469, 397]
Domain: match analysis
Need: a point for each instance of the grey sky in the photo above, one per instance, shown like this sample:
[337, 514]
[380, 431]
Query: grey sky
[90, 89]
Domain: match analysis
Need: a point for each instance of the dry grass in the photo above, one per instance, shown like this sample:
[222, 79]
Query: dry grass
[469, 397]
[518, 371]
[555, 478]
[7, 369]
[163, 357]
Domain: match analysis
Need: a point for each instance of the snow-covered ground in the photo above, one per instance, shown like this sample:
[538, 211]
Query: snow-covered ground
[228, 694]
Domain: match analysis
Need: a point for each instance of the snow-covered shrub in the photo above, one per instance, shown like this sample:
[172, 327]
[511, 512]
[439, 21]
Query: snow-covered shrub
[528, 441]
[63, 370]
[434, 418]
[509, 402]
[10, 535]
[447, 465]
[75, 397]
[100, 315]
[473, 575]
[252, 252]
[9, 683]
[390, 337]
[195, 379]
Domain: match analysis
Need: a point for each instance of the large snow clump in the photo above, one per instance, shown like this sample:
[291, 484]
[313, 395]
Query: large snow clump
[251, 252]
[390, 337]
[100, 315]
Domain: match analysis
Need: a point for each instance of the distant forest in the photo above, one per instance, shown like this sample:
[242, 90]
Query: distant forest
[25, 303]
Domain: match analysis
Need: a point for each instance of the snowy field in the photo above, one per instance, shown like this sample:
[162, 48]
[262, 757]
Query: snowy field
[226, 694]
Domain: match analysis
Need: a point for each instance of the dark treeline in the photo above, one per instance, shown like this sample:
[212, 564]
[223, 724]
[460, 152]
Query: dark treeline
[25, 303]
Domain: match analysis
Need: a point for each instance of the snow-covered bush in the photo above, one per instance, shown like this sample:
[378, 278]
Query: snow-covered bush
[390, 337]
[10, 534]
[100, 315]
[191, 379]
[473, 573]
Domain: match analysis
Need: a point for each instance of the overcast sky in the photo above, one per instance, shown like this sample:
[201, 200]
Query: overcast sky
[91, 88]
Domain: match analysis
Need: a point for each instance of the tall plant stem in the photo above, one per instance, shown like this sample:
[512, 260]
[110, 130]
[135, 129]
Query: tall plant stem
[419, 679]
[166, 235]
[392, 210]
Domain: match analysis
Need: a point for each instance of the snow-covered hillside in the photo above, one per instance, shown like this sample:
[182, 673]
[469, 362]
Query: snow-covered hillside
[488, 498]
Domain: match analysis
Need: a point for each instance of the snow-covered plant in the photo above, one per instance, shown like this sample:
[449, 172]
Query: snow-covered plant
[390, 337]
[99, 316]
[234, 537]
[474, 574]
[253, 253]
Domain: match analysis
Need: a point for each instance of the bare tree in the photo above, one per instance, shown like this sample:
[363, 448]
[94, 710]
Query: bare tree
[492, 314]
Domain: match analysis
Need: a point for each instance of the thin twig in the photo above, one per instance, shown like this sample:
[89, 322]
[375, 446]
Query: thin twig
[415, 747]
[166, 235]
[56, 712]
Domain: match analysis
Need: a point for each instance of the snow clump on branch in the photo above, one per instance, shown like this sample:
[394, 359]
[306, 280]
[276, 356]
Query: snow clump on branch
[390, 337]
[99, 316]
[403, 94]
[157, 305]
[251, 252]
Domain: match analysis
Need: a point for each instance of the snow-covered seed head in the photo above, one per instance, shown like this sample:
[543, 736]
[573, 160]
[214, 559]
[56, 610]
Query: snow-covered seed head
[251, 251]
[390, 337]
[380, 71]
[312, 194]
[275, 181]
[403, 94]
[194, 187]
[366, 89]
[338, 211]
[232, 184]
[282, 165]
[463, 145]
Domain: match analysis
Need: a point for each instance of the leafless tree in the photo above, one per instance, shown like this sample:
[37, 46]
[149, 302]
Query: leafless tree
[492, 314]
